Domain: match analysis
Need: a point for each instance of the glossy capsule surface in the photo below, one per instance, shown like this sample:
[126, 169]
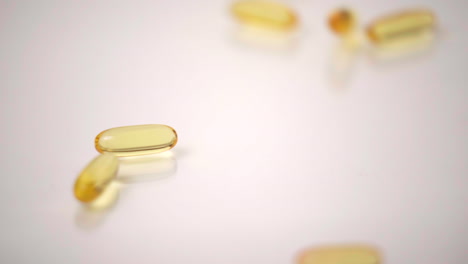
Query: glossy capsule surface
[136, 140]
[352, 254]
[266, 14]
[401, 25]
[95, 177]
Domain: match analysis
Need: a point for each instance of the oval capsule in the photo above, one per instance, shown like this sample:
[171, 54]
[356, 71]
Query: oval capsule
[95, 177]
[264, 13]
[347, 254]
[400, 25]
[136, 140]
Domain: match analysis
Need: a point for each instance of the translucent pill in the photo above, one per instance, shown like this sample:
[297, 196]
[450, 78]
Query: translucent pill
[400, 25]
[265, 14]
[341, 255]
[136, 140]
[94, 179]
[342, 21]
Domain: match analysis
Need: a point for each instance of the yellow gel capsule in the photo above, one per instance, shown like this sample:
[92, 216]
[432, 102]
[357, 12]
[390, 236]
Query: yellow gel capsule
[264, 13]
[93, 180]
[136, 140]
[400, 25]
[352, 254]
[342, 21]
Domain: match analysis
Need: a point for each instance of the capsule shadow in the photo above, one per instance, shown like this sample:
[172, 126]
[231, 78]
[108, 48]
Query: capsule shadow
[402, 50]
[409, 48]
[146, 168]
[265, 39]
[343, 60]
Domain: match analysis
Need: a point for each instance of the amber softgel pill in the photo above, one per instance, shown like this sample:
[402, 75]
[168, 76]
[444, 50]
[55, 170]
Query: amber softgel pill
[399, 25]
[136, 140]
[95, 177]
[342, 21]
[266, 14]
[341, 254]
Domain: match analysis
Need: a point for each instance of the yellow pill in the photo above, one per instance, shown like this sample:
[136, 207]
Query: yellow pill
[136, 140]
[93, 180]
[400, 25]
[352, 254]
[342, 21]
[265, 14]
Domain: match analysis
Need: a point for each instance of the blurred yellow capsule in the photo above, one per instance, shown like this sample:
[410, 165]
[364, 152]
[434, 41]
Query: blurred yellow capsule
[351, 254]
[94, 179]
[267, 14]
[342, 21]
[136, 140]
[400, 25]
[346, 254]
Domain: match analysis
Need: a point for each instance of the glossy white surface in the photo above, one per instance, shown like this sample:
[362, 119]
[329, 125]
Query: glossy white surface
[280, 148]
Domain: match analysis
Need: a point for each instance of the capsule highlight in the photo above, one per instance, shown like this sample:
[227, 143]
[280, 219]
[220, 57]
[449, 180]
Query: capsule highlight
[136, 140]
[400, 25]
[267, 14]
[95, 177]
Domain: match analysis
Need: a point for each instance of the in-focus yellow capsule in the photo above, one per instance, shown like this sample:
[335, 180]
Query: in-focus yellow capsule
[400, 25]
[93, 180]
[136, 140]
[342, 21]
[265, 14]
[351, 254]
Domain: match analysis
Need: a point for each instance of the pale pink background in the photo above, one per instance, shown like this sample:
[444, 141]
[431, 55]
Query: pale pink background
[280, 148]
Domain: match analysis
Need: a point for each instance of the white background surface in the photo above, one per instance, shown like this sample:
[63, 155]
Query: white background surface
[278, 151]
